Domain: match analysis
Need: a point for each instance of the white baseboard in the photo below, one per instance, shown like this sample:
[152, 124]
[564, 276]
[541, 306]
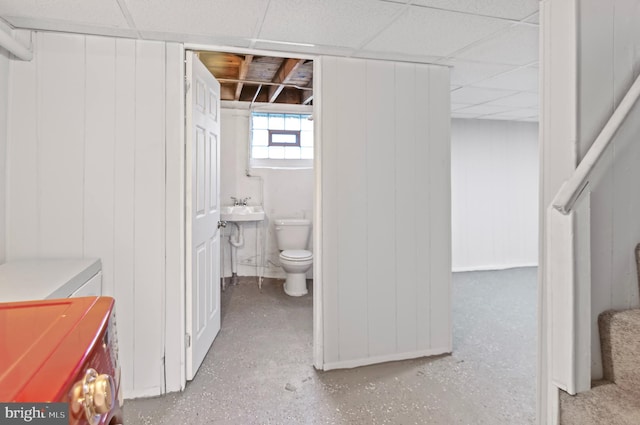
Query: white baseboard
[131, 394]
[491, 267]
[348, 364]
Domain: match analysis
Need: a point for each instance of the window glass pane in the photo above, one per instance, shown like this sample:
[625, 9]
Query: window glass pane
[306, 123]
[276, 121]
[292, 152]
[292, 122]
[260, 138]
[260, 153]
[260, 121]
[306, 138]
[276, 152]
[289, 139]
[306, 153]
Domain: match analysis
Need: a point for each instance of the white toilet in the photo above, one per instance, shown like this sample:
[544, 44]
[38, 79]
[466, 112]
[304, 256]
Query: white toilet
[292, 235]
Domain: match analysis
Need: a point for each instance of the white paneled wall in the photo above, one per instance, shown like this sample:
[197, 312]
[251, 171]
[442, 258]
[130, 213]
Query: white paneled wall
[609, 61]
[494, 194]
[385, 209]
[4, 104]
[282, 192]
[86, 176]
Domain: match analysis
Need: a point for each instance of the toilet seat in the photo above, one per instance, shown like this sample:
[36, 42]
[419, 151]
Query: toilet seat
[296, 255]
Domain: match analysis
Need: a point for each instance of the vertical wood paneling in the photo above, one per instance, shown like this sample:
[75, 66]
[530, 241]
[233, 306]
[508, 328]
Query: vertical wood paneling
[422, 190]
[149, 211]
[331, 110]
[380, 215]
[22, 165]
[98, 196]
[404, 204]
[381, 253]
[352, 236]
[86, 176]
[61, 114]
[440, 217]
[124, 207]
[175, 216]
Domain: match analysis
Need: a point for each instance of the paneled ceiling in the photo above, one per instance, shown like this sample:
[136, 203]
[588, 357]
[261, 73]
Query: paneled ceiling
[491, 45]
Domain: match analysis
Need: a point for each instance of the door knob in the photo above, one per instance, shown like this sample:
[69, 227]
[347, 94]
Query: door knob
[222, 223]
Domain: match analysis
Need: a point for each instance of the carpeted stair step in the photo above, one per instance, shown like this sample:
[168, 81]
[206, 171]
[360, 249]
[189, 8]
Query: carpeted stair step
[607, 404]
[620, 341]
[615, 401]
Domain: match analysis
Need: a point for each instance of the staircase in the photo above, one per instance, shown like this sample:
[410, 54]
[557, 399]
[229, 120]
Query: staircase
[616, 400]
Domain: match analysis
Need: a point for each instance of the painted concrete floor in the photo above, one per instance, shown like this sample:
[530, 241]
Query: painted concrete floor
[259, 371]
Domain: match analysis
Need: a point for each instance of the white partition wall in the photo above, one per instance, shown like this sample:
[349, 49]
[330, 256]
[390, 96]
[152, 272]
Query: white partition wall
[90, 122]
[494, 194]
[385, 210]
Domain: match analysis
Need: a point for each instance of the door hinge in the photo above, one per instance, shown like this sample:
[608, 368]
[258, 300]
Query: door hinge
[187, 340]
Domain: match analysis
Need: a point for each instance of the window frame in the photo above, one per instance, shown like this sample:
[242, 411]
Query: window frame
[285, 132]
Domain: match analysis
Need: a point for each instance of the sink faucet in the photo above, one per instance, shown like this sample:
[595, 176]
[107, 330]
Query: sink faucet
[240, 201]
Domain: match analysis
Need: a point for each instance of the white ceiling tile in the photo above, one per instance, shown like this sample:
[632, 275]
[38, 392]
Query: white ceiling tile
[475, 95]
[462, 115]
[458, 106]
[327, 22]
[434, 32]
[525, 79]
[396, 56]
[519, 100]
[465, 72]
[224, 18]
[519, 113]
[516, 46]
[484, 109]
[88, 12]
[510, 9]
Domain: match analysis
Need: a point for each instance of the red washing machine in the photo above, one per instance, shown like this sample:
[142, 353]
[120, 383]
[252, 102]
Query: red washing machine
[62, 350]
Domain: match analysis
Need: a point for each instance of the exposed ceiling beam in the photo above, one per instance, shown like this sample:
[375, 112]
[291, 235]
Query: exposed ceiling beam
[242, 74]
[306, 96]
[281, 78]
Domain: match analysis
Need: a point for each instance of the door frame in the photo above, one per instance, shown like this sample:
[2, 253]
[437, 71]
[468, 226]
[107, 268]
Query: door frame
[175, 324]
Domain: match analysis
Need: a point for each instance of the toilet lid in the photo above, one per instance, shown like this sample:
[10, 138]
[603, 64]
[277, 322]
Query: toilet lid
[296, 254]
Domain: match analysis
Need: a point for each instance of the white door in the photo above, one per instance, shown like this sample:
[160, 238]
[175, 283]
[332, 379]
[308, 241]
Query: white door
[202, 212]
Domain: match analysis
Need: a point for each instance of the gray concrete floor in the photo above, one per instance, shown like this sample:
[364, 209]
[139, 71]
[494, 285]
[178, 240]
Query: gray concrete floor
[259, 371]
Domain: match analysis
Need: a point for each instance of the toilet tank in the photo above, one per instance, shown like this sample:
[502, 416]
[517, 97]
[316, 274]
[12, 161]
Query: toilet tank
[292, 233]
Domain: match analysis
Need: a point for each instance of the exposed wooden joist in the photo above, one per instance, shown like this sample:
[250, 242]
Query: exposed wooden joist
[287, 69]
[306, 96]
[242, 74]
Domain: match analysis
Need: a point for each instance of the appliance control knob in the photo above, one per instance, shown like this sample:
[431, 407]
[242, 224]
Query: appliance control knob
[103, 393]
[98, 392]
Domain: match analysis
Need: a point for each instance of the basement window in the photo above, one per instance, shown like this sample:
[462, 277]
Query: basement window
[281, 140]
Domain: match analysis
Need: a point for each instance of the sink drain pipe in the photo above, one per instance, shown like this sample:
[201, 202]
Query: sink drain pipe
[236, 241]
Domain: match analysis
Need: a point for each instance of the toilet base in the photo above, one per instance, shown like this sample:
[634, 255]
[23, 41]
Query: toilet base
[296, 284]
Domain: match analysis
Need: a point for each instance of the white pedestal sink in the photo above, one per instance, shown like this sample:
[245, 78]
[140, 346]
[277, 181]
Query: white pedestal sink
[238, 214]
